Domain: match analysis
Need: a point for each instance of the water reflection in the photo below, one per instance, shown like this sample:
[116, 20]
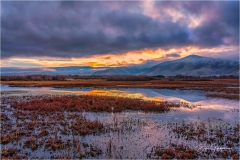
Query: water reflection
[207, 107]
[188, 95]
[176, 95]
[8, 88]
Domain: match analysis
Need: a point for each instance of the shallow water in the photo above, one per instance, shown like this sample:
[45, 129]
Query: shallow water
[206, 107]
[133, 133]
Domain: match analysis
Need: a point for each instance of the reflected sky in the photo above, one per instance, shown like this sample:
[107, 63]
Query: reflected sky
[176, 95]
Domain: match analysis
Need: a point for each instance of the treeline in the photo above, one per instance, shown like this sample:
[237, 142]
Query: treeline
[85, 77]
[224, 77]
[202, 78]
[188, 78]
[115, 77]
[129, 78]
[34, 78]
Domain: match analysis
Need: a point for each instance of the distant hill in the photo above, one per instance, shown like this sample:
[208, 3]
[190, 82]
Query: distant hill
[196, 66]
[121, 71]
[192, 65]
[77, 70]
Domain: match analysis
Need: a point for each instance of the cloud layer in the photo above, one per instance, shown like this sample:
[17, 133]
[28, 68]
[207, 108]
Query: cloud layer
[84, 29]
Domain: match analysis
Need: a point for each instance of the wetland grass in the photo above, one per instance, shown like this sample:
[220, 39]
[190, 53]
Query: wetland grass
[57, 126]
[96, 104]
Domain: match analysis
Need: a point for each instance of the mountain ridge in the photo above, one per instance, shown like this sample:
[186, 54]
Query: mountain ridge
[192, 65]
[121, 71]
[195, 65]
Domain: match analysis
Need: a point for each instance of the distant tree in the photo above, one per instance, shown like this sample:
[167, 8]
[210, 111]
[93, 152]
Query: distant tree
[160, 76]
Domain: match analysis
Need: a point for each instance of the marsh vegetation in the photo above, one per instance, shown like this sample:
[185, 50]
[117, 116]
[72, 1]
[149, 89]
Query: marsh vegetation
[105, 124]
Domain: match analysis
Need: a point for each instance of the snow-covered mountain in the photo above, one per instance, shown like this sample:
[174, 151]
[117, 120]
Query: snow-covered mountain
[196, 66]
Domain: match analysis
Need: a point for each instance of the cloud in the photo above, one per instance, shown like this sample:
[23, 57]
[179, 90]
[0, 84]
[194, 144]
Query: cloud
[17, 69]
[175, 55]
[223, 29]
[141, 57]
[84, 29]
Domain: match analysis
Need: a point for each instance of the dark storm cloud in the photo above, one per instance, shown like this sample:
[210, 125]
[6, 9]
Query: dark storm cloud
[224, 27]
[80, 29]
[129, 23]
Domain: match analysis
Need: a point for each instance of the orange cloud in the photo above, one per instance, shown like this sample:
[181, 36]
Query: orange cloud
[124, 59]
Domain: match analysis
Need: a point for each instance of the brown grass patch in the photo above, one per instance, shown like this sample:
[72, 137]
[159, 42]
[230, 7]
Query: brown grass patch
[95, 104]
[225, 96]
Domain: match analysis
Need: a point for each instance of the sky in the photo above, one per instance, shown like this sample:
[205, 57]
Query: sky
[116, 33]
